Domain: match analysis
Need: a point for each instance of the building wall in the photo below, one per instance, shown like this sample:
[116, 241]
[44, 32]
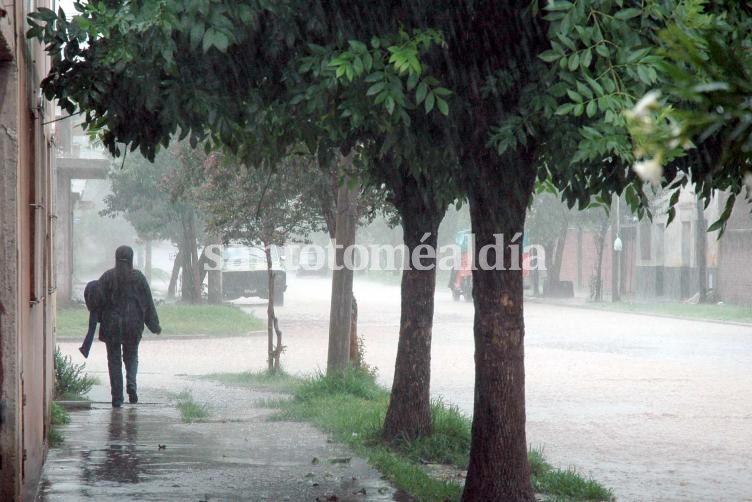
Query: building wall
[667, 261]
[735, 257]
[26, 292]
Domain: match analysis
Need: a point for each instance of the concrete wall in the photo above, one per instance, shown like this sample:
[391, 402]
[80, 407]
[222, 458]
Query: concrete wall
[26, 290]
[735, 257]
[666, 257]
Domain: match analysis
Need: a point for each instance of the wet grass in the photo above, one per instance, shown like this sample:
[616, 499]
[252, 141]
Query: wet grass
[351, 406]
[564, 485]
[58, 416]
[176, 319]
[709, 312]
[190, 410]
[276, 381]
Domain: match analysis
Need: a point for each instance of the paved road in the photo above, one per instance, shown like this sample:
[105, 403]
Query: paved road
[658, 409]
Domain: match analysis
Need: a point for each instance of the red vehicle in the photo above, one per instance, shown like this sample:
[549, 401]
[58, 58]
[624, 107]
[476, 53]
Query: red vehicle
[461, 278]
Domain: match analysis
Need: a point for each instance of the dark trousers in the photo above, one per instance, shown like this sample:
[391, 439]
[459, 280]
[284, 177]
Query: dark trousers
[117, 355]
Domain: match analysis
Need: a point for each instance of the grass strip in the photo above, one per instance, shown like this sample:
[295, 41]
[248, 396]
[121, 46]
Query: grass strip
[176, 319]
[351, 406]
[190, 410]
[275, 381]
[708, 312]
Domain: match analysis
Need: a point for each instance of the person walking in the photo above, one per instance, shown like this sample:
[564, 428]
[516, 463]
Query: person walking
[127, 306]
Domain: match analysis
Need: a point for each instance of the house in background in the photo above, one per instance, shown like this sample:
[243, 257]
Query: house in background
[669, 256]
[734, 257]
[27, 275]
[661, 261]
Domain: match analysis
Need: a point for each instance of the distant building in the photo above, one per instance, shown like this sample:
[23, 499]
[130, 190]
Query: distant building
[27, 275]
[735, 257]
[668, 255]
[661, 261]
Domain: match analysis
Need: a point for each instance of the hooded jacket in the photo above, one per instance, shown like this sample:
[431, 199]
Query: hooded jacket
[127, 302]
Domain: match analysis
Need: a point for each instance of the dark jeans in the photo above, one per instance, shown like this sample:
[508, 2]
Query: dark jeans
[128, 352]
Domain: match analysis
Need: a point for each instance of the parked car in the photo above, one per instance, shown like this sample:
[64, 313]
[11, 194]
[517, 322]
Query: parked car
[245, 273]
[309, 263]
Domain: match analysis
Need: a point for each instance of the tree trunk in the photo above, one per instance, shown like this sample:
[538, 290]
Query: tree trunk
[561, 242]
[271, 318]
[597, 293]
[409, 412]
[190, 287]
[701, 237]
[176, 266]
[340, 317]
[147, 265]
[214, 289]
[356, 354]
[499, 192]
[196, 275]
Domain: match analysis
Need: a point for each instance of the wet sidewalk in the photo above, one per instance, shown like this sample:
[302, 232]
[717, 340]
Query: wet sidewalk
[145, 452]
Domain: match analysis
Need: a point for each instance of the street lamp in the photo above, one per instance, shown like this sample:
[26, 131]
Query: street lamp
[618, 246]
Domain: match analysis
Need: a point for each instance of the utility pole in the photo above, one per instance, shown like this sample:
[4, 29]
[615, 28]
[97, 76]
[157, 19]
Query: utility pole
[701, 251]
[616, 250]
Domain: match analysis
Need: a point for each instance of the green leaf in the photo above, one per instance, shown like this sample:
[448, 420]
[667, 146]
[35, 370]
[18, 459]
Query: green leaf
[197, 33]
[579, 108]
[592, 107]
[375, 88]
[221, 41]
[574, 96]
[442, 91]
[358, 66]
[559, 5]
[430, 99]
[420, 93]
[586, 59]
[602, 49]
[584, 90]
[358, 46]
[549, 56]
[375, 76]
[564, 109]
[389, 103]
[412, 81]
[630, 13]
[443, 106]
[574, 62]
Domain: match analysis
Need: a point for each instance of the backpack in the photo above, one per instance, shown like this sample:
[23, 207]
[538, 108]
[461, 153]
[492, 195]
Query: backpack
[93, 296]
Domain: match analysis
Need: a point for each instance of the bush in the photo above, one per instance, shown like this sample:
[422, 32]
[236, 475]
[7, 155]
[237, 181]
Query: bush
[58, 417]
[70, 380]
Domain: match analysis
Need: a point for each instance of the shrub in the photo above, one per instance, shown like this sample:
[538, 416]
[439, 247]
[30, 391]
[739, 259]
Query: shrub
[70, 380]
[58, 417]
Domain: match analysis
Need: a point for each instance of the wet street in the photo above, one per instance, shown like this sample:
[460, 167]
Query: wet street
[656, 409]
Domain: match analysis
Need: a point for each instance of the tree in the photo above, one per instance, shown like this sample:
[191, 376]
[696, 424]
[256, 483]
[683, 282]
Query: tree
[706, 57]
[263, 205]
[515, 74]
[152, 198]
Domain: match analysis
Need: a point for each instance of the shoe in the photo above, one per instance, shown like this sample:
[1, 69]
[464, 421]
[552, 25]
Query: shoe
[85, 353]
[132, 397]
[117, 404]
